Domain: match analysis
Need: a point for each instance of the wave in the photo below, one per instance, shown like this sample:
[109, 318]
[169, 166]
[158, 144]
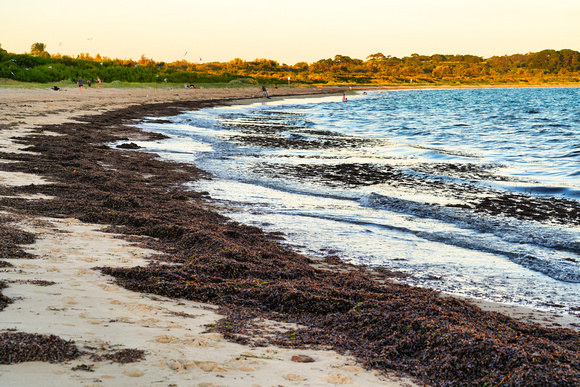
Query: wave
[547, 190]
[298, 123]
[575, 153]
[549, 250]
[301, 169]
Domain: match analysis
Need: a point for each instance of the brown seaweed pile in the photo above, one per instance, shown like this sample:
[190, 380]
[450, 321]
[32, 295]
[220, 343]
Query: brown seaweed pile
[18, 347]
[12, 238]
[4, 301]
[123, 356]
[387, 326]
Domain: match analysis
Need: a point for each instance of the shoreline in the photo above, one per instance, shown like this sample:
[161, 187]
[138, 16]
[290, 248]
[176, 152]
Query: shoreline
[82, 305]
[28, 125]
[506, 86]
[558, 316]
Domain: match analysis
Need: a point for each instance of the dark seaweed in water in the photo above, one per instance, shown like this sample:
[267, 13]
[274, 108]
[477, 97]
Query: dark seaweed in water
[271, 133]
[387, 326]
[452, 180]
[484, 200]
[560, 210]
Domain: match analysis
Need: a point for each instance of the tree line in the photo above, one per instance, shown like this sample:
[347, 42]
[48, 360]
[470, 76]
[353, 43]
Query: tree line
[547, 66]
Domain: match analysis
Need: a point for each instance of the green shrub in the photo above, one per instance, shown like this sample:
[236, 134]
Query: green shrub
[244, 81]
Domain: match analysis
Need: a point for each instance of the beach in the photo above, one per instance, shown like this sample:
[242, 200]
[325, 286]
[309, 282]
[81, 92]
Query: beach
[83, 303]
[59, 286]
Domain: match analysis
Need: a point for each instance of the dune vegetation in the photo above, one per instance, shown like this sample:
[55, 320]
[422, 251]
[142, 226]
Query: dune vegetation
[544, 67]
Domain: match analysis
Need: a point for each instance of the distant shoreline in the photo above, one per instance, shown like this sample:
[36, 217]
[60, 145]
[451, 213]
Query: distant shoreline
[482, 86]
[298, 88]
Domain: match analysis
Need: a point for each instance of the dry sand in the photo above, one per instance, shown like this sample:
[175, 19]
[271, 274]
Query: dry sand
[85, 306]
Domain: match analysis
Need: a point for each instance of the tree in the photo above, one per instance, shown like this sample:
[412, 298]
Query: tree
[237, 63]
[343, 59]
[438, 58]
[442, 71]
[300, 66]
[377, 56]
[39, 49]
[265, 64]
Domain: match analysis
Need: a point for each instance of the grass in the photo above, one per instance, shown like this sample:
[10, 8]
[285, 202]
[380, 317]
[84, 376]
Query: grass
[10, 83]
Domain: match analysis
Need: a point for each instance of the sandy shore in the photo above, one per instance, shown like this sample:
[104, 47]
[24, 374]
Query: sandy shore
[83, 305]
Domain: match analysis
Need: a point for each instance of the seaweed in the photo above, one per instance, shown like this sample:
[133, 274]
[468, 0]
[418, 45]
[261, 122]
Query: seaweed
[251, 276]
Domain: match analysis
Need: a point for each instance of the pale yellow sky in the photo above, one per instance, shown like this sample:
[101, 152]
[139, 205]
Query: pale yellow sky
[288, 32]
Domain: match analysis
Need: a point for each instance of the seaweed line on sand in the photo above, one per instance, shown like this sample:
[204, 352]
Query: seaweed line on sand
[250, 275]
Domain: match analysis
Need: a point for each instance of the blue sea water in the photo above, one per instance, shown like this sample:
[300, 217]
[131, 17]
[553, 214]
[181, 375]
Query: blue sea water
[396, 179]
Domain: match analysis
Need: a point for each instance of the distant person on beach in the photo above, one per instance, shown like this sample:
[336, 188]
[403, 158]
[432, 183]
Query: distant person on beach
[99, 83]
[89, 82]
[344, 99]
[265, 92]
[80, 83]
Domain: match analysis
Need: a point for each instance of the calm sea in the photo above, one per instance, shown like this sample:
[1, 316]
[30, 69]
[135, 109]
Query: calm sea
[474, 192]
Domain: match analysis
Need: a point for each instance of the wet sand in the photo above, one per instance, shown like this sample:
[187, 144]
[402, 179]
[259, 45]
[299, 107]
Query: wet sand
[184, 341]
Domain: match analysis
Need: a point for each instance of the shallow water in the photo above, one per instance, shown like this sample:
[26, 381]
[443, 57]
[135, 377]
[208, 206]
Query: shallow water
[472, 192]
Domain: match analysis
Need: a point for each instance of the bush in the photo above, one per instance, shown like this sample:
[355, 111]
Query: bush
[244, 81]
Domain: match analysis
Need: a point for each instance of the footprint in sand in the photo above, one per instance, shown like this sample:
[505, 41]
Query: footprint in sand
[294, 377]
[69, 301]
[133, 372]
[210, 366]
[166, 339]
[29, 266]
[337, 378]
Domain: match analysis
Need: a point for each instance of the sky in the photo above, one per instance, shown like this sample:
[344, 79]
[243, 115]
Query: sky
[288, 31]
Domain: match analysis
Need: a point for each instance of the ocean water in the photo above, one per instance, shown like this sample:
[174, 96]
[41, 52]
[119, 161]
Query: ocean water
[474, 192]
